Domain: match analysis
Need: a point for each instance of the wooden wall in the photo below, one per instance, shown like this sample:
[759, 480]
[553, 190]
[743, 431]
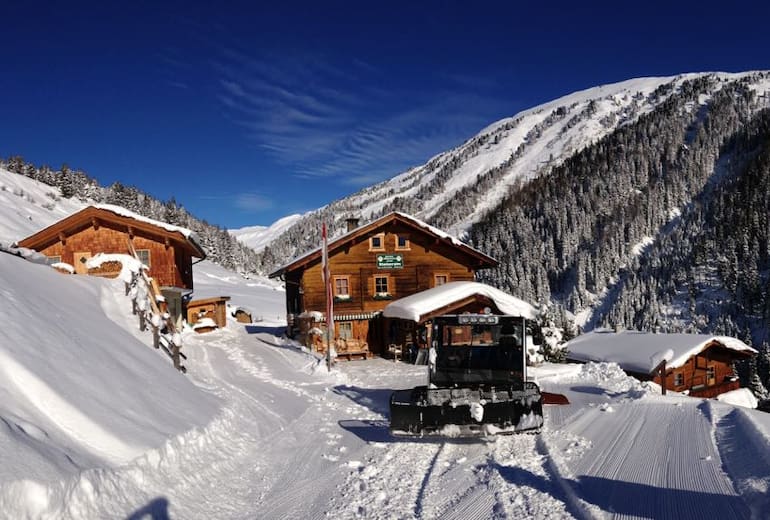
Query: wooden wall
[424, 258]
[694, 371]
[164, 260]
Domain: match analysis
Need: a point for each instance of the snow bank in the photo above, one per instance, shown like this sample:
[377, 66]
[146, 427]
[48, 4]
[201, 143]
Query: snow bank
[76, 391]
[740, 397]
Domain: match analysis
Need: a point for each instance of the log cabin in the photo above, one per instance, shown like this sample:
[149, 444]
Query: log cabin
[699, 365]
[167, 250]
[370, 266]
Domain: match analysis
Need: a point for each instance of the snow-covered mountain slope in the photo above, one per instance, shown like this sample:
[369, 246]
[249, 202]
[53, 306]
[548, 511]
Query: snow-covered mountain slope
[27, 206]
[257, 237]
[456, 188]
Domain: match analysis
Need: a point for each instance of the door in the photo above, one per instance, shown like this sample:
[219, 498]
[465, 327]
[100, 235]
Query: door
[711, 377]
[81, 257]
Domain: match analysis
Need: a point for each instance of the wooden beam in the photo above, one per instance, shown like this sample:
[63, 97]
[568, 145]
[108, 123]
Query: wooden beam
[62, 238]
[95, 223]
[167, 242]
[130, 231]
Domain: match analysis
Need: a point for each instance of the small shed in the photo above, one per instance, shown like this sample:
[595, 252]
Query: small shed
[212, 308]
[697, 364]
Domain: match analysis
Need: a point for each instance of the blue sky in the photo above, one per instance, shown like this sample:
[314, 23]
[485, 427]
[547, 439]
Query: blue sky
[245, 112]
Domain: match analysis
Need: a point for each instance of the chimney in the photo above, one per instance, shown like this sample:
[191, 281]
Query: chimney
[352, 223]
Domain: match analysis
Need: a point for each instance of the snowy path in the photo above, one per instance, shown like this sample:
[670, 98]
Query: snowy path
[637, 467]
[294, 443]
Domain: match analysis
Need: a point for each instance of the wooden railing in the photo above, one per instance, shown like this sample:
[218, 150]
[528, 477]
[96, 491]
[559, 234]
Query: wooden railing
[164, 333]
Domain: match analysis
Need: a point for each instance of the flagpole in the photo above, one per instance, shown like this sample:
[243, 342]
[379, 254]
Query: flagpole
[329, 306]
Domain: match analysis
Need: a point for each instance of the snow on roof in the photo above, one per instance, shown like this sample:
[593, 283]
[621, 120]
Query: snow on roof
[123, 212]
[421, 303]
[642, 351]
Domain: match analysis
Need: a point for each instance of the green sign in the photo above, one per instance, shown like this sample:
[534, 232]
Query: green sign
[390, 261]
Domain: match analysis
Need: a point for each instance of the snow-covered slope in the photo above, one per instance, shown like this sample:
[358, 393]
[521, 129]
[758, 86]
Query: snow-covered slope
[257, 237]
[27, 206]
[94, 423]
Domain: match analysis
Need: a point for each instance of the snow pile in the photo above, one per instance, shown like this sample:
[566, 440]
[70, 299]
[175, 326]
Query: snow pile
[76, 390]
[740, 397]
[611, 377]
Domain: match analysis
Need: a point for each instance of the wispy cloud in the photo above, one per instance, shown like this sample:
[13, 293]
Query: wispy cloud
[322, 119]
[246, 202]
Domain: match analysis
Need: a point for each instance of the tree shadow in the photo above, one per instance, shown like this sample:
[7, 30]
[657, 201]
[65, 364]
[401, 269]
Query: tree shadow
[634, 499]
[157, 509]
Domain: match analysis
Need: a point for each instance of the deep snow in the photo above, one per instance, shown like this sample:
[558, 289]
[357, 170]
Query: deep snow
[98, 424]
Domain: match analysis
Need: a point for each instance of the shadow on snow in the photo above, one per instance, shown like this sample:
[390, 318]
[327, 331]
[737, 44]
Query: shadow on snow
[157, 509]
[633, 499]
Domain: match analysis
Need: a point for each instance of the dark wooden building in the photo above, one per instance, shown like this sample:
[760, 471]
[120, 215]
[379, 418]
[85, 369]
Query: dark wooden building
[167, 250]
[697, 364]
[371, 266]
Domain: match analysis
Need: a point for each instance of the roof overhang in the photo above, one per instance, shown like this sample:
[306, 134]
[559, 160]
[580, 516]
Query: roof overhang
[478, 259]
[97, 216]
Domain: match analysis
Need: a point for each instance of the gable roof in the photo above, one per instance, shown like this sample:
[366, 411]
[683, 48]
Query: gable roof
[118, 215]
[483, 261]
[642, 352]
[419, 306]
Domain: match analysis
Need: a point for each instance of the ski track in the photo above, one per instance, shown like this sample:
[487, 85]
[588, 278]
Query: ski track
[657, 484]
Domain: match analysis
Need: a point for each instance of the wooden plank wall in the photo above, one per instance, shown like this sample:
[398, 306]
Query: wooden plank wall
[422, 261]
[107, 239]
[694, 370]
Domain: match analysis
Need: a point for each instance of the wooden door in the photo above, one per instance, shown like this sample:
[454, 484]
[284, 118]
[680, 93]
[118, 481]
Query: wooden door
[711, 377]
[80, 259]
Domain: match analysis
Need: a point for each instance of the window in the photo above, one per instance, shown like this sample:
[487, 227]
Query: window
[381, 284]
[710, 375]
[144, 256]
[402, 243]
[678, 379]
[440, 279]
[342, 288]
[53, 260]
[383, 287]
[377, 242]
[345, 329]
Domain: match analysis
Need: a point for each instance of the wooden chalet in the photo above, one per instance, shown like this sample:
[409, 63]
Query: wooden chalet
[167, 250]
[371, 266]
[697, 364]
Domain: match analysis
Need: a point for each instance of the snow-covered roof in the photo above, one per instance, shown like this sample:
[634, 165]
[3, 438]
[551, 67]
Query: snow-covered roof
[333, 243]
[419, 304]
[123, 212]
[189, 237]
[642, 352]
